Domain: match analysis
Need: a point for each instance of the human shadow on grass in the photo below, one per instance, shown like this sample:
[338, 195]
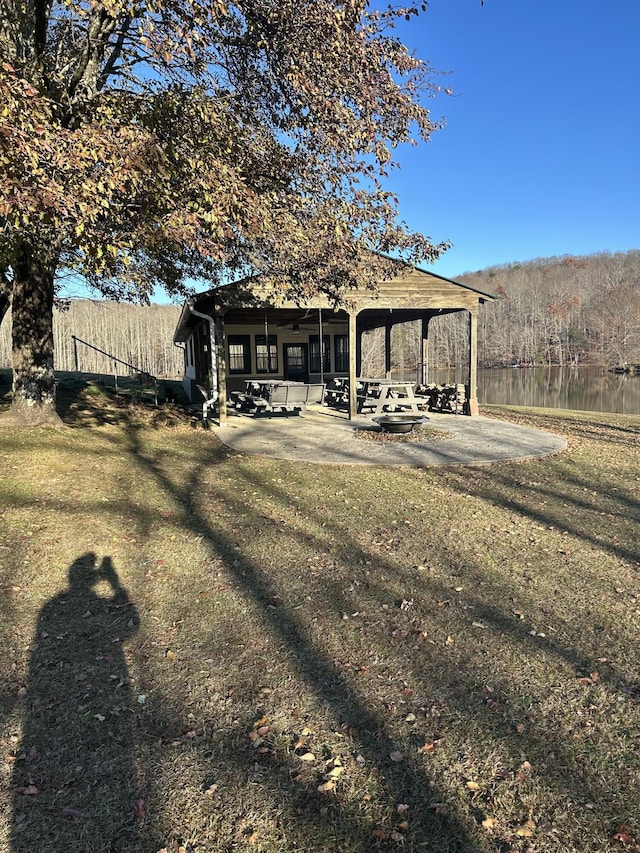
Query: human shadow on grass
[324, 684]
[74, 781]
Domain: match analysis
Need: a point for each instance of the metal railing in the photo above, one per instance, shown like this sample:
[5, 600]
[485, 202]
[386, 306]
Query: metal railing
[115, 361]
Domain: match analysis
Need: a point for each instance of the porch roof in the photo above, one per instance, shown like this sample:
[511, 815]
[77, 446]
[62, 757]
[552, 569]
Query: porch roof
[408, 295]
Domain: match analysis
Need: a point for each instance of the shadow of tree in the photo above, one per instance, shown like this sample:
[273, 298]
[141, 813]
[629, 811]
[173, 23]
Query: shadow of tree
[489, 698]
[324, 684]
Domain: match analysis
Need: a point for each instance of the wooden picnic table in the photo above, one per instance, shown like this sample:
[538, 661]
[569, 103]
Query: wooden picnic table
[383, 394]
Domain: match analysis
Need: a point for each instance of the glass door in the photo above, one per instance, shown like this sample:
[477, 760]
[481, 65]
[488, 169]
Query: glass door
[296, 362]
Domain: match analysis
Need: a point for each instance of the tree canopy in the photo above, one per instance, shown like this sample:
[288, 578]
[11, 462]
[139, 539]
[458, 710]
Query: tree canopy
[149, 143]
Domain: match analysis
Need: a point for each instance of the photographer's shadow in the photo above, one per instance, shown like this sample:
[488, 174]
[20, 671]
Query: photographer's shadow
[74, 783]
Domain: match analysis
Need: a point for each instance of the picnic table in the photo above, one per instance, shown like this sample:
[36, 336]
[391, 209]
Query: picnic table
[382, 395]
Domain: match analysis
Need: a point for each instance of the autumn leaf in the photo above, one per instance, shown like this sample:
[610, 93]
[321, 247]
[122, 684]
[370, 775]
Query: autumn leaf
[140, 809]
[526, 830]
[623, 836]
[396, 756]
[71, 812]
[489, 822]
[326, 786]
[335, 772]
[308, 756]
[473, 786]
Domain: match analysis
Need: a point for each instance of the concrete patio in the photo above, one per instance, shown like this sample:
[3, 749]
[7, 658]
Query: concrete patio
[322, 436]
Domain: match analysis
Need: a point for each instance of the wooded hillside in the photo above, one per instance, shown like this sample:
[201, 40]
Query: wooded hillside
[557, 311]
[565, 310]
[140, 335]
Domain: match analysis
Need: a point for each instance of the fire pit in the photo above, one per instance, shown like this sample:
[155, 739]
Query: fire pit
[399, 423]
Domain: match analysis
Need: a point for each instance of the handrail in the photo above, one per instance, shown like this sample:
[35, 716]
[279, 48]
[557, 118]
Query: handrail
[114, 360]
[75, 339]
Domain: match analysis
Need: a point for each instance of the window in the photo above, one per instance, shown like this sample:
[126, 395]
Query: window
[239, 354]
[314, 355]
[266, 355]
[341, 346]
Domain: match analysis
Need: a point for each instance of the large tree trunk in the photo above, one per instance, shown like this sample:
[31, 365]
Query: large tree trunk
[32, 349]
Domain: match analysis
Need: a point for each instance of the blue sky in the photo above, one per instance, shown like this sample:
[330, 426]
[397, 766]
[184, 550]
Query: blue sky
[540, 153]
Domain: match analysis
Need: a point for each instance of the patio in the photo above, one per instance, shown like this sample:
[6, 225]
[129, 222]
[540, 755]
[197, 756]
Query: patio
[322, 436]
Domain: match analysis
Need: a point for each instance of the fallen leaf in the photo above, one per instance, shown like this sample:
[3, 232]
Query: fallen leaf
[72, 812]
[489, 822]
[428, 747]
[308, 756]
[473, 786]
[396, 756]
[170, 655]
[140, 809]
[624, 838]
[30, 790]
[526, 830]
[334, 773]
[326, 786]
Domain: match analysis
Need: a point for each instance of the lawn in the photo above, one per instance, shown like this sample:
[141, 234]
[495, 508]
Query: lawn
[204, 651]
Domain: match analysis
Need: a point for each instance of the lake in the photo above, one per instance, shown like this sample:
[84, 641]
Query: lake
[591, 389]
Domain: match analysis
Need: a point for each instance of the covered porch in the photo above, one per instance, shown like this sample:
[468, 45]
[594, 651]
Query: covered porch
[247, 332]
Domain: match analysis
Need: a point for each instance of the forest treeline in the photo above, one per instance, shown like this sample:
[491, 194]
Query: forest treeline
[566, 310]
[562, 310]
[139, 335]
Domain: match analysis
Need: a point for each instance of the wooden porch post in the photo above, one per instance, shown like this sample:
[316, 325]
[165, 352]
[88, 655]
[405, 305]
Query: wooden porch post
[425, 350]
[353, 375]
[388, 327]
[473, 362]
[221, 364]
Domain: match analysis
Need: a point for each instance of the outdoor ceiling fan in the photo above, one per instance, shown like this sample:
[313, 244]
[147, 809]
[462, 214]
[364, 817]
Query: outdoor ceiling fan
[307, 322]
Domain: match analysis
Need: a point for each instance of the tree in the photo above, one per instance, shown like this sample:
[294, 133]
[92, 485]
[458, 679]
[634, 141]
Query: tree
[151, 143]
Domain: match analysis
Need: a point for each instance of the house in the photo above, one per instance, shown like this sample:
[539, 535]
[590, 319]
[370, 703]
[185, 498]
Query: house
[249, 330]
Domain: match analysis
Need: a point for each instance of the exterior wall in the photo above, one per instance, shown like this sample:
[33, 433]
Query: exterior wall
[236, 381]
[189, 377]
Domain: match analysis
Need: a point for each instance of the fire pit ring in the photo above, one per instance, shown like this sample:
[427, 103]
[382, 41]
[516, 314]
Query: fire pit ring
[399, 423]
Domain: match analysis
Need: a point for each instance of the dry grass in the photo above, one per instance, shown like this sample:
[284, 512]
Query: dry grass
[454, 652]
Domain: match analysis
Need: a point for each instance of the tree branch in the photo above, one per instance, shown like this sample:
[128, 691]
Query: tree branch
[115, 54]
[6, 286]
[42, 10]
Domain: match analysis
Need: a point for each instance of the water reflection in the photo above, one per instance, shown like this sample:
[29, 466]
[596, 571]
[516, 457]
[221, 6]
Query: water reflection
[591, 389]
